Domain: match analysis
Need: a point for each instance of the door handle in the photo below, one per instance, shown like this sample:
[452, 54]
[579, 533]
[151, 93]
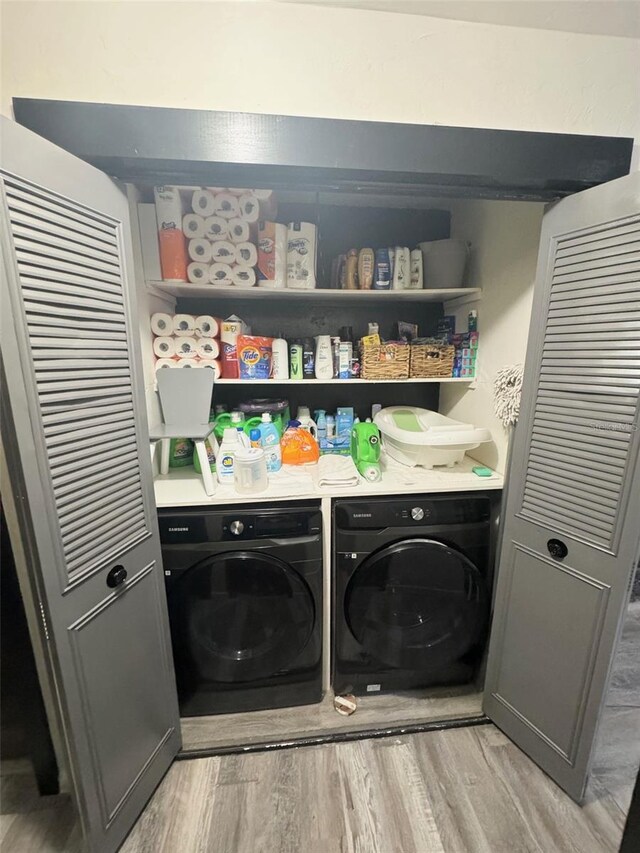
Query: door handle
[557, 549]
[116, 577]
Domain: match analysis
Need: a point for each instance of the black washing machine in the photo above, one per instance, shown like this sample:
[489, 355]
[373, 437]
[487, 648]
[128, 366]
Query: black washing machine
[244, 588]
[411, 590]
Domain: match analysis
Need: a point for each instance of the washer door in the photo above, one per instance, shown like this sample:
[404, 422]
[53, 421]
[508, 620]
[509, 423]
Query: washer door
[417, 604]
[240, 616]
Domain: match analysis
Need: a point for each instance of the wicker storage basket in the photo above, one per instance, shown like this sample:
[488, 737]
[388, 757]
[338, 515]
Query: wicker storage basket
[431, 361]
[385, 361]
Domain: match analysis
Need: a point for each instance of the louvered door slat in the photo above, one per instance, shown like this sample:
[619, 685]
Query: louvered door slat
[35, 246]
[585, 415]
[43, 235]
[37, 310]
[68, 260]
[71, 483]
[38, 205]
[77, 507]
[56, 296]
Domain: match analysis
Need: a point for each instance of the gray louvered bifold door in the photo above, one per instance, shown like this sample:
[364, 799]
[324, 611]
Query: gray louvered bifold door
[69, 265]
[74, 428]
[571, 531]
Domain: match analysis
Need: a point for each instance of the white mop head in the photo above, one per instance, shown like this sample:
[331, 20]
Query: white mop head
[507, 389]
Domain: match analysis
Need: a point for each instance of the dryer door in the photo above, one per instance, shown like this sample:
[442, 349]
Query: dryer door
[417, 604]
[239, 617]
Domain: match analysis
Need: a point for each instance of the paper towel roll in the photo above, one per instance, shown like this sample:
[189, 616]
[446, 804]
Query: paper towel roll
[249, 208]
[216, 228]
[198, 273]
[239, 231]
[186, 347]
[166, 362]
[200, 250]
[161, 324]
[213, 364]
[193, 225]
[207, 347]
[243, 276]
[203, 202]
[207, 326]
[187, 362]
[246, 254]
[226, 205]
[220, 274]
[223, 252]
[184, 324]
[164, 347]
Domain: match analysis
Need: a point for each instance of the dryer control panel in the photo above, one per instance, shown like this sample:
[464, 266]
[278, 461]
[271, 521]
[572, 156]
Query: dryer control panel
[407, 512]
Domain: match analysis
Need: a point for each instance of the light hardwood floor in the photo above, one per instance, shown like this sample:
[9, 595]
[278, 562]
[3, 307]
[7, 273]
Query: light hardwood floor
[390, 709]
[458, 791]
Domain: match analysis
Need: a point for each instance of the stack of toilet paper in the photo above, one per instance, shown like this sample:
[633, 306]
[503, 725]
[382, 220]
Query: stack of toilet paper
[184, 340]
[222, 234]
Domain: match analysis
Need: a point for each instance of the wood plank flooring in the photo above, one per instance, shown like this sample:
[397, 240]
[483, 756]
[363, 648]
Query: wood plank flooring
[391, 709]
[457, 791]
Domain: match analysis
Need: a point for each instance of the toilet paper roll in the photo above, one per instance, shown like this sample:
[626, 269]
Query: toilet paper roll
[186, 347]
[203, 203]
[263, 195]
[246, 254]
[207, 327]
[162, 324]
[213, 364]
[193, 225]
[164, 347]
[166, 362]
[207, 347]
[239, 231]
[198, 273]
[200, 250]
[249, 208]
[238, 190]
[220, 274]
[226, 205]
[187, 362]
[223, 252]
[184, 324]
[216, 228]
[243, 276]
[216, 190]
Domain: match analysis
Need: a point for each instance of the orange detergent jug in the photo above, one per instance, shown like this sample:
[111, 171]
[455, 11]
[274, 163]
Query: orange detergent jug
[298, 446]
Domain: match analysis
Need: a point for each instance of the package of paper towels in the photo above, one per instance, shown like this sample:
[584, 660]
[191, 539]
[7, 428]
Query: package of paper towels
[272, 255]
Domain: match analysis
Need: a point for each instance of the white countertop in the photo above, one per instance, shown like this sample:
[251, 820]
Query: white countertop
[183, 486]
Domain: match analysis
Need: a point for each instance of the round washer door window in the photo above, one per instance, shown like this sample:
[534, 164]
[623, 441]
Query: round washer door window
[417, 604]
[241, 616]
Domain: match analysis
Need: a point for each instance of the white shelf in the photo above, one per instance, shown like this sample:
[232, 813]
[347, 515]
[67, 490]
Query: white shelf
[179, 288]
[183, 486]
[466, 379]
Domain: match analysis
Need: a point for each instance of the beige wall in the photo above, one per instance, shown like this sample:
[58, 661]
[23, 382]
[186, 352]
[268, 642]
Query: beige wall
[504, 238]
[303, 60]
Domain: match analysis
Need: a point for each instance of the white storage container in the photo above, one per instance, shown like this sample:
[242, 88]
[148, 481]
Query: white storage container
[416, 436]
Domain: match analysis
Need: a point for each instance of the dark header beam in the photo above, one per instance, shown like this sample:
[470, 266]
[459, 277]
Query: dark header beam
[154, 144]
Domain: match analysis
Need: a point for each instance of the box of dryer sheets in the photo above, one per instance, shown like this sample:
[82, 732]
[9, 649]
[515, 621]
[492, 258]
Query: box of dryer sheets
[230, 329]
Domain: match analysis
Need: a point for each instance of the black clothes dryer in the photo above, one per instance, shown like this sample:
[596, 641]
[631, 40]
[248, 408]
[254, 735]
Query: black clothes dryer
[411, 590]
[244, 589]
